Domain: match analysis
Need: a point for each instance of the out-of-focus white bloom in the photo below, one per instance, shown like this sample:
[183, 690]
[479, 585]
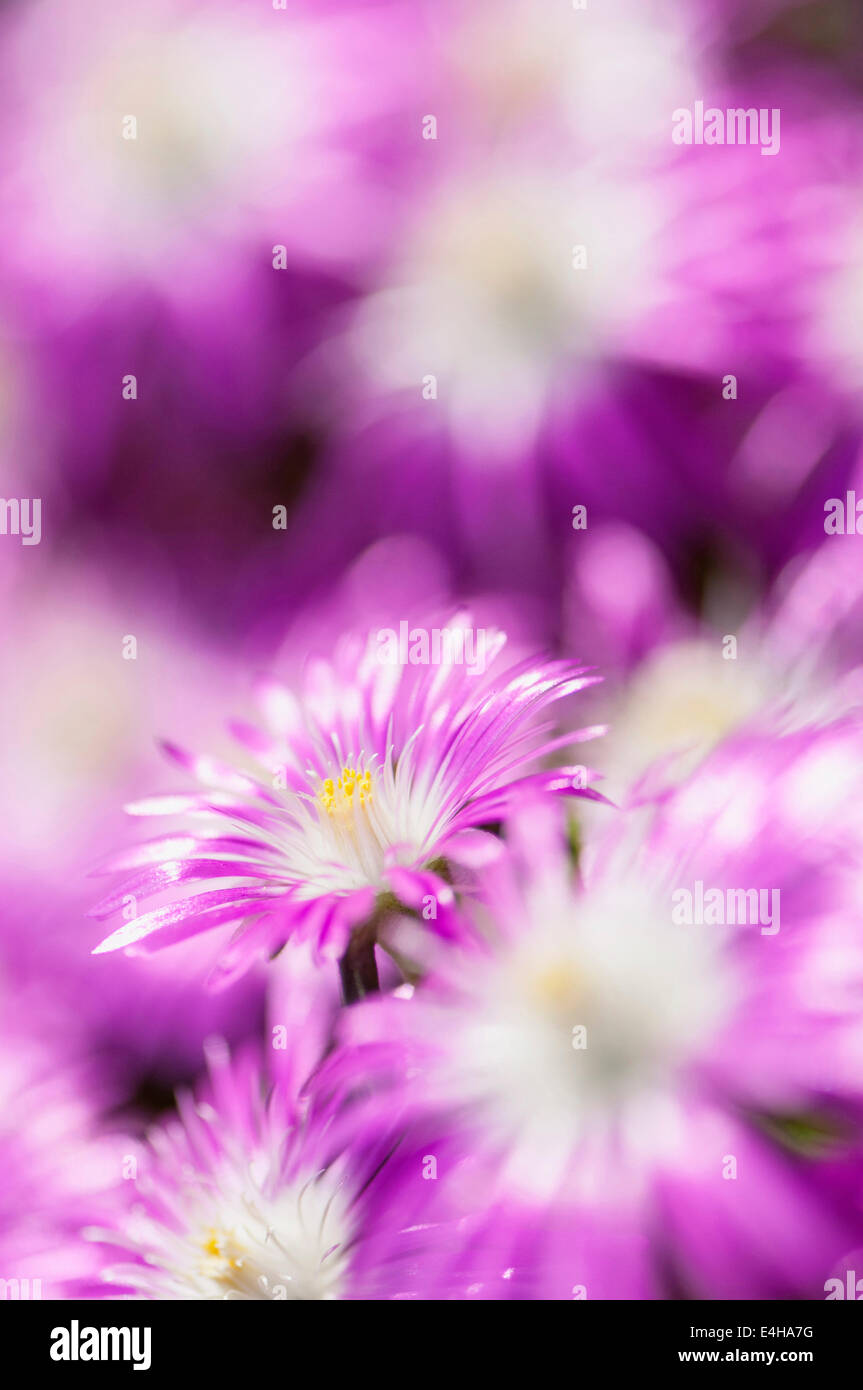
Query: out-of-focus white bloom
[509, 285]
[148, 141]
[609, 75]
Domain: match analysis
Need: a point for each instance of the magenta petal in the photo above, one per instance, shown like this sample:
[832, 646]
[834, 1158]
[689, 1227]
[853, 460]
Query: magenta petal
[251, 942]
[180, 871]
[473, 849]
[167, 847]
[171, 805]
[427, 892]
[347, 913]
[140, 927]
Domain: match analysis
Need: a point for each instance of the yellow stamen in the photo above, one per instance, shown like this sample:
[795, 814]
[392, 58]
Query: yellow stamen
[338, 796]
[215, 1247]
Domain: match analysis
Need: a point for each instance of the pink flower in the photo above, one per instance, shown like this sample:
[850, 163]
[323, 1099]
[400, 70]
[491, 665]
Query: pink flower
[647, 1096]
[193, 139]
[370, 790]
[244, 1195]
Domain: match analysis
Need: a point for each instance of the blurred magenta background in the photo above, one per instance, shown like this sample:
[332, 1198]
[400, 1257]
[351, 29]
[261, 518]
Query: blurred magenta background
[328, 312]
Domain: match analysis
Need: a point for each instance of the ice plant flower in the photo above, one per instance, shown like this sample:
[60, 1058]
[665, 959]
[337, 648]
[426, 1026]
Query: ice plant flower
[653, 1102]
[244, 1195]
[231, 128]
[678, 685]
[372, 789]
[488, 288]
[607, 80]
[234, 169]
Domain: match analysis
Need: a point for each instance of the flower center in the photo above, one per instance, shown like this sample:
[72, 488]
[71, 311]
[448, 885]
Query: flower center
[220, 1264]
[242, 1243]
[578, 1030]
[343, 796]
[558, 987]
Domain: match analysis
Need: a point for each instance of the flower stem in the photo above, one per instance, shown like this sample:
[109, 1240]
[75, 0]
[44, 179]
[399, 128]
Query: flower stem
[358, 967]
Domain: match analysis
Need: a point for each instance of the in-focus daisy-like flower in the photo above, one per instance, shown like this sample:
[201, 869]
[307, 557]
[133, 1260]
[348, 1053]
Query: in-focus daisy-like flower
[654, 1073]
[244, 1195]
[369, 791]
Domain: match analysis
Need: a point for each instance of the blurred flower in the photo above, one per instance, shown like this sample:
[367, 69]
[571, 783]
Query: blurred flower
[76, 722]
[680, 683]
[648, 1108]
[243, 1196]
[379, 778]
[603, 76]
[172, 141]
[666, 341]
[171, 251]
[489, 299]
[55, 1163]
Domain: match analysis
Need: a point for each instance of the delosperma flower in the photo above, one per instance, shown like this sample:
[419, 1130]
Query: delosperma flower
[515, 68]
[207, 107]
[373, 788]
[796, 658]
[490, 294]
[244, 1196]
[652, 1096]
